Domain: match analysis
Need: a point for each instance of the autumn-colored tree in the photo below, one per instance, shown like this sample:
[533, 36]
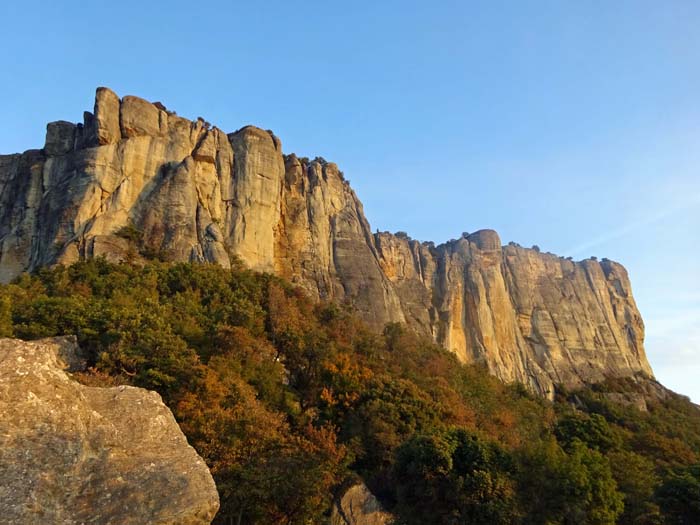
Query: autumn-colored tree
[265, 472]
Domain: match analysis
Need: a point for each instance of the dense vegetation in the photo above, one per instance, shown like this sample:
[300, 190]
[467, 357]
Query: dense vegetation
[289, 401]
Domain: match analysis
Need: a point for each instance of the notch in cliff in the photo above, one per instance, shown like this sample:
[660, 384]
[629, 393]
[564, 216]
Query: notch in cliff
[187, 192]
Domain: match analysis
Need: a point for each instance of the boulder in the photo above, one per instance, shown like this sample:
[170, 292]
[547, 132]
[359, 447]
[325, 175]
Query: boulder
[487, 240]
[358, 506]
[139, 117]
[74, 454]
[60, 137]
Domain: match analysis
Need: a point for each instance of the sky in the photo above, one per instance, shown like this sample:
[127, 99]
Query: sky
[571, 125]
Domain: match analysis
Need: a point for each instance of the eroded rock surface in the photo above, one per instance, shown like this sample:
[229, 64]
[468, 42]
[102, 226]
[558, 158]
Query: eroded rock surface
[73, 454]
[198, 194]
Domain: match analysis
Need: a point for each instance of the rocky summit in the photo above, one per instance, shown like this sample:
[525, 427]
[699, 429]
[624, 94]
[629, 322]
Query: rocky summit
[135, 180]
[74, 454]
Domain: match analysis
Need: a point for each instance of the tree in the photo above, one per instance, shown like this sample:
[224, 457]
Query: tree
[679, 496]
[264, 470]
[6, 329]
[453, 478]
[593, 430]
[284, 398]
[574, 488]
[636, 480]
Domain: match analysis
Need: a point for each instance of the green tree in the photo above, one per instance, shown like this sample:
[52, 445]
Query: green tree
[567, 488]
[6, 329]
[636, 479]
[453, 478]
[283, 397]
[679, 496]
[593, 430]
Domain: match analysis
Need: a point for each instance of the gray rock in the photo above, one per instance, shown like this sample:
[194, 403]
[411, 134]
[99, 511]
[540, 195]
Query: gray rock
[60, 137]
[487, 240]
[73, 454]
[358, 506]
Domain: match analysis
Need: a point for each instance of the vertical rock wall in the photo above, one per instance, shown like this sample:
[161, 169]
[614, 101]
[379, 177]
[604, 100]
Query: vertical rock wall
[136, 177]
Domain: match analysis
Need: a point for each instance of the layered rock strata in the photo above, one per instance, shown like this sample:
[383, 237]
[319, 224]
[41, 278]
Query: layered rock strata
[134, 178]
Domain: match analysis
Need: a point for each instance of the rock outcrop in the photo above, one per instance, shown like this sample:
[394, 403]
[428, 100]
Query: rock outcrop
[73, 454]
[358, 506]
[197, 194]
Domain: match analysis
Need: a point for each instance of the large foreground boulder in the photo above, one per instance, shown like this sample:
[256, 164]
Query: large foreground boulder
[74, 454]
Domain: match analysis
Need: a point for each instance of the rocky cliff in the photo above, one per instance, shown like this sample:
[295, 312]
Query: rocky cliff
[135, 179]
[74, 454]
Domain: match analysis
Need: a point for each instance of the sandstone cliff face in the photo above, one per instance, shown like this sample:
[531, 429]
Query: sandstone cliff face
[198, 194]
[74, 454]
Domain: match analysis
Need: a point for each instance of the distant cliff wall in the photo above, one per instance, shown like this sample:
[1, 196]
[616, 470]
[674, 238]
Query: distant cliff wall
[191, 193]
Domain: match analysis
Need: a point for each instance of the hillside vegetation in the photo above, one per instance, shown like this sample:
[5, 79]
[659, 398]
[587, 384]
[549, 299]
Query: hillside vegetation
[289, 401]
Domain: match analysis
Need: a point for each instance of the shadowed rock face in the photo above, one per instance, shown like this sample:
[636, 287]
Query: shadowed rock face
[75, 454]
[198, 194]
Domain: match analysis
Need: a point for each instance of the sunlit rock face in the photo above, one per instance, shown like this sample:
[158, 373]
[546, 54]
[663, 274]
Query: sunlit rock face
[72, 454]
[195, 193]
[531, 317]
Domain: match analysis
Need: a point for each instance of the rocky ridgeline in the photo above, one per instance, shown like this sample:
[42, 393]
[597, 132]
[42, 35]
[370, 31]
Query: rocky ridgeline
[74, 454]
[136, 179]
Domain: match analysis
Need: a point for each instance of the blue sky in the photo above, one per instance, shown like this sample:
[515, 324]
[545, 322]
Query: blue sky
[571, 125]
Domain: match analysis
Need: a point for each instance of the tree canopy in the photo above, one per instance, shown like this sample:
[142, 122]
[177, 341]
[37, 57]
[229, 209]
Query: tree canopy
[287, 400]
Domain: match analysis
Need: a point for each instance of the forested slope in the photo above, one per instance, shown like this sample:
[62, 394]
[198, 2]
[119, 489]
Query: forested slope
[289, 400]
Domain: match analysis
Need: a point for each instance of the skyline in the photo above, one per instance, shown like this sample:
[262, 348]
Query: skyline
[574, 129]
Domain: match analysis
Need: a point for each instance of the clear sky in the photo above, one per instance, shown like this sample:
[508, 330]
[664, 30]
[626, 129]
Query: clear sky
[571, 125]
